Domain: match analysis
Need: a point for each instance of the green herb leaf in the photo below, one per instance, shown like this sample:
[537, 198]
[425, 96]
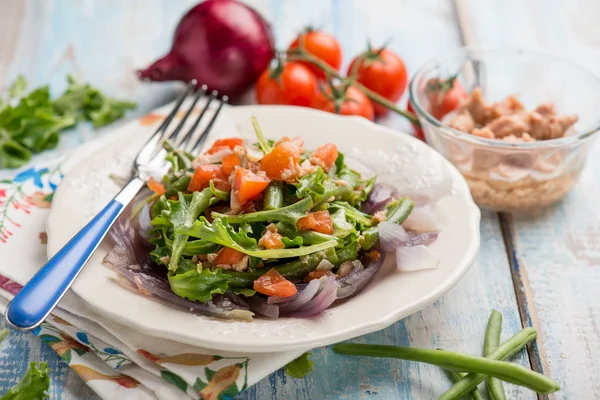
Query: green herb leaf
[311, 184]
[221, 233]
[219, 194]
[265, 146]
[295, 242]
[181, 214]
[353, 213]
[199, 286]
[17, 88]
[289, 214]
[300, 367]
[33, 385]
[341, 226]
[247, 292]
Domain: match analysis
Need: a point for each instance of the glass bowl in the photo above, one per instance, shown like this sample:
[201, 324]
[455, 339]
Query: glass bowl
[506, 176]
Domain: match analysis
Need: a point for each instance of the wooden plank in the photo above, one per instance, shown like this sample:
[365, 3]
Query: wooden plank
[104, 41]
[555, 252]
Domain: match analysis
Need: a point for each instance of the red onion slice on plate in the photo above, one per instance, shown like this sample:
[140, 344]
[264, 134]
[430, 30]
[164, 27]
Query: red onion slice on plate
[415, 258]
[301, 298]
[422, 219]
[326, 296]
[356, 281]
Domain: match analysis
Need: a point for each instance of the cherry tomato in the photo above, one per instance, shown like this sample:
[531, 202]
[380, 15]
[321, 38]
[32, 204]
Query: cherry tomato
[383, 72]
[323, 46]
[444, 96]
[294, 84]
[354, 103]
[418, 131]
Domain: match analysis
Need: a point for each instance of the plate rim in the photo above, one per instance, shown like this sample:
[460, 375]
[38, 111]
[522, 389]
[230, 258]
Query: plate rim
[385, 321]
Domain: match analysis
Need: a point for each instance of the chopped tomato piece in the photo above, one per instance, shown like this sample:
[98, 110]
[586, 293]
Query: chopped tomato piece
[325, 156]
[274, 284]
[204, 174]
[228, 143]
[282, 162]
[271, 239]
[316, 275]
[155, 186]
[228, 256]
[319, 221]
[247, 185]
[229, 162]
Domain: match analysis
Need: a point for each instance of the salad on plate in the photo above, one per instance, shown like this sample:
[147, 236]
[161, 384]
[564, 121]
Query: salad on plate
[265, 228]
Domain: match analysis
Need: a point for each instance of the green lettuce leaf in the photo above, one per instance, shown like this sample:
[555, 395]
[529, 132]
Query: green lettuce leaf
[308, 237]
[222, 233]
[352, 213]
[219, 194]
[311, 185]
[300, 367]
[341, 226]
[289, 214]
[33, 386]
[247, 292]
[181, 214]
[295, 242]
[199, 285]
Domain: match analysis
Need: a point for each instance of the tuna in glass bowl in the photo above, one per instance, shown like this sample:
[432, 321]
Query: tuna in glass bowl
[517, 124]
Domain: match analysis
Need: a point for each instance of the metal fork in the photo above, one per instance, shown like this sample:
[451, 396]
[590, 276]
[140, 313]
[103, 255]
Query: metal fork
[32, 305]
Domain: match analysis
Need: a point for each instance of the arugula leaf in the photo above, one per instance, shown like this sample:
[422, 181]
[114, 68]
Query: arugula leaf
[341, 226]
[219, 194]
[353, 213]
[339, 161]
[300, 367]
[199, 285]
[247, 292]
[308, 237]
[295, 242]
[33, 385]
[311, 183]
[289, 214]
[181, 214]
[265, 146]
[220, 232]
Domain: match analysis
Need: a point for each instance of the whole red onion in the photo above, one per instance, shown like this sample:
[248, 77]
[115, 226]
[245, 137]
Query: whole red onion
[223, 44]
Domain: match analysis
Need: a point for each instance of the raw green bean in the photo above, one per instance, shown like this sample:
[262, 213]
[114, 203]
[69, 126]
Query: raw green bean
[506, 350]
[506, 371]
[273, 196]
[179, 185]
[457, 376]
[495, 388]
[294, 270]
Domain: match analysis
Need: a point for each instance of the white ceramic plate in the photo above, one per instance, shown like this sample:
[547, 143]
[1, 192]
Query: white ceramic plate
[392, 295]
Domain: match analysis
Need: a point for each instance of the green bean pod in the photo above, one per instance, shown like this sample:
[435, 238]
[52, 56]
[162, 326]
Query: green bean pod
[457, 376]
[273, 196]
[495, 388]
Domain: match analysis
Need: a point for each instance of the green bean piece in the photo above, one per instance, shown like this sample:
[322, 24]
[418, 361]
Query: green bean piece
[457, 376]
[273, 196]
[506, 371]
[495, 388]
[294, 270]
[178, 185]
[503, 352]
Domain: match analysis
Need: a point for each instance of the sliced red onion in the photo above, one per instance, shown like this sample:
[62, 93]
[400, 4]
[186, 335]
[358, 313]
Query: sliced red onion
[392, 235]
[301, 298]
[326, 296]
[424, 239]
[260, 306]
[254, 154]
[325, 265]
[157, 288]
[353, 283]
[378, 198]
[416, 258]
[210, 158]
[422, 219]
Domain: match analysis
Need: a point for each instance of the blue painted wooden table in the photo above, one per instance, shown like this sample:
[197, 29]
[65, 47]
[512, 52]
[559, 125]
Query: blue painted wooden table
[542, 270]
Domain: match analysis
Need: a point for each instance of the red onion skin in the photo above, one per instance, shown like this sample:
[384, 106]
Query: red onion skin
[223, 44]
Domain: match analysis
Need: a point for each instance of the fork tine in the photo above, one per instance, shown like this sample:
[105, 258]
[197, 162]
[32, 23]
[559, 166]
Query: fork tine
[184, 142]
[200, 141]
[167, 121]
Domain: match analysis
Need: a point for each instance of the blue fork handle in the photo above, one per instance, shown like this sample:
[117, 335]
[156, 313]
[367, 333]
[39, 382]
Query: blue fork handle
[30, 307]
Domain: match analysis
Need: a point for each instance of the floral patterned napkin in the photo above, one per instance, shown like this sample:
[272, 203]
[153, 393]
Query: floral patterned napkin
[117, 362]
